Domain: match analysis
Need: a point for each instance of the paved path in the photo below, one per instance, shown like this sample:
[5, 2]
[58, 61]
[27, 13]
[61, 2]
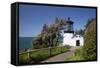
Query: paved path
[61, 57]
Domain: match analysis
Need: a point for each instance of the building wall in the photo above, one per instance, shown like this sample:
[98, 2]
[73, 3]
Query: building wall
[68, 39]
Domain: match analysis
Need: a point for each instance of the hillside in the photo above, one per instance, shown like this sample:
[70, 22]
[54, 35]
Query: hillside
[90, 41]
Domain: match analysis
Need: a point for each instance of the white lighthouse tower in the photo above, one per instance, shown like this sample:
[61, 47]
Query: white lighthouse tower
[69, 37]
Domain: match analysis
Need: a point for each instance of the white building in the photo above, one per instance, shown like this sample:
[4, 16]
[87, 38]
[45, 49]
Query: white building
[69, 37]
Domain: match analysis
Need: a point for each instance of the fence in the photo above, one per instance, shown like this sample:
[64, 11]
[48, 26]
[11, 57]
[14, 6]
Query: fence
[41, 54]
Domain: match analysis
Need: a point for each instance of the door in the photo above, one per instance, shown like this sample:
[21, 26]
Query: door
[77, 42]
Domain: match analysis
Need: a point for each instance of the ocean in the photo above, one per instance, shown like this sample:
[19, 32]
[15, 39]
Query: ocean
[25, 43]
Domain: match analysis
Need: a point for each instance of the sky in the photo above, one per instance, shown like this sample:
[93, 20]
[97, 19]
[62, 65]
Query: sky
[33, 17]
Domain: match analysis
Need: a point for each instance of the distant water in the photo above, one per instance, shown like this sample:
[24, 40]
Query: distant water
[25, 43]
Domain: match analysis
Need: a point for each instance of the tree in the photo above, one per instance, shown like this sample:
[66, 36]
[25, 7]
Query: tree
[50, 35]
[89, 21]
[80, 32]
[89, 47]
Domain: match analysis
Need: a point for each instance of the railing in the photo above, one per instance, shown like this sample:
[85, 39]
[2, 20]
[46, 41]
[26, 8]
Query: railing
[41, 54]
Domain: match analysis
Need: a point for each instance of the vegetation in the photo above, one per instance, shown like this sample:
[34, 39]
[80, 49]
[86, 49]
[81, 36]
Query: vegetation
[46, 42]
[49, 38]
[90, 41]
[50, 35]
[80, 32]
[88, 51]
[39, 55]
[77, 56]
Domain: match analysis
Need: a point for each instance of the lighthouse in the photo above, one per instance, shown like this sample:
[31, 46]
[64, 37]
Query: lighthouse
[69, 36]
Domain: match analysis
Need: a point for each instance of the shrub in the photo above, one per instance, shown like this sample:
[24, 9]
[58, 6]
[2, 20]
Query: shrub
[77, 56]
[90, 41]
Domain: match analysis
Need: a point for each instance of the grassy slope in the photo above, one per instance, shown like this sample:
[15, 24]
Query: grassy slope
[40, 55]
[76, 56]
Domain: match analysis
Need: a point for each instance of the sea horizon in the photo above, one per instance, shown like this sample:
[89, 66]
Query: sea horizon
[25, 43]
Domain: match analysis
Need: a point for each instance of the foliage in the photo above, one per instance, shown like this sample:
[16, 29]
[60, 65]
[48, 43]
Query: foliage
[80, 32]
[89, 22]
[77, 56]
[39, 55]
[90, 41]
[50, 35]
[88, 51]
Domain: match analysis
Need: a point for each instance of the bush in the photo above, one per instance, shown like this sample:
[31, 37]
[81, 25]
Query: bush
[90, 41]
[23, 58]
[68, 46]
[78, 55]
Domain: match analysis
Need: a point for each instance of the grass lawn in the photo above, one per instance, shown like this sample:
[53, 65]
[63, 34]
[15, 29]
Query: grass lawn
[39, 55]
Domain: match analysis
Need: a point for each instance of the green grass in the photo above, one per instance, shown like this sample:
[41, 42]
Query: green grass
[23, 58]
[77, 56]
[39, 55]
